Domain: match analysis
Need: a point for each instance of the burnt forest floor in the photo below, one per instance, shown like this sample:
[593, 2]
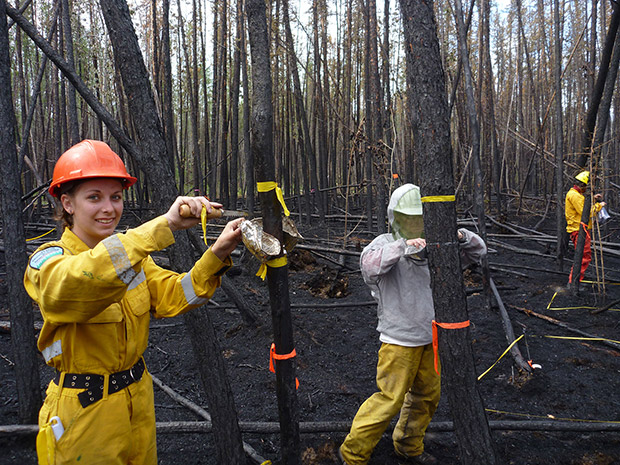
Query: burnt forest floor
[337, 353]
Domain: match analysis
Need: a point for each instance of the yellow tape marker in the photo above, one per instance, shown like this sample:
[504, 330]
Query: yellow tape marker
[203, 221]
[269, 186]
[39, 237]
[438, 198]
[500, 357]
[275, 263]
[583, 338]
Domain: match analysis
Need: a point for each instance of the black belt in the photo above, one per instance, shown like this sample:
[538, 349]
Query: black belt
[93, 384]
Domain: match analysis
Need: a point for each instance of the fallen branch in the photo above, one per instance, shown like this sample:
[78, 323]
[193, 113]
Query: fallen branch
[185, 427]
[249, 450]
[519, 249]
[510, 335]
[565, 326]
[604, 308]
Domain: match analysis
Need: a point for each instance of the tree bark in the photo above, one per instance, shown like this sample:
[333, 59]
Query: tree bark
[22, 316]
[210, 363]
[234, 107]
[599, 86]
[277, 278]
[430, 119]
[560, 218]
[475, 144]
[74, 133]
[308, 154]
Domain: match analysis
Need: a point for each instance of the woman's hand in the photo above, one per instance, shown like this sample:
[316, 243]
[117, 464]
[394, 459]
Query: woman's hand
[228, 239]
[195, 204]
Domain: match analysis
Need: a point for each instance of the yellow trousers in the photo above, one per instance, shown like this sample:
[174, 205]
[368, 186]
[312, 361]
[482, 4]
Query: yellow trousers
[116, 430]
[408, 383]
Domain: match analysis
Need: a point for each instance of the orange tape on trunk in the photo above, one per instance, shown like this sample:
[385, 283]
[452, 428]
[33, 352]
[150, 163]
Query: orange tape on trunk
[462, 324]
[273, 355]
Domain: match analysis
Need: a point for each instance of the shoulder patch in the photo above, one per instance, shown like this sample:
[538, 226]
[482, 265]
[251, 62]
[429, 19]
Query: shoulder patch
[39, 258]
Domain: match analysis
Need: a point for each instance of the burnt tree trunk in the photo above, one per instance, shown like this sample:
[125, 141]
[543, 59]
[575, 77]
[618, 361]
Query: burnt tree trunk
[210, 363]
[308, 154]
[22, 317]
[74, 133]
[234, 107]
[430, 119]
[475, 144]
[560, 219]
[277, 277]
[599, 86]
[166, 97]
[247, 150]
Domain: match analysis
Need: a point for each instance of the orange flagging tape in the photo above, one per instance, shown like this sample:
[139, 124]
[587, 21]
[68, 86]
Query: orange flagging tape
[273, 355]
[462, 324]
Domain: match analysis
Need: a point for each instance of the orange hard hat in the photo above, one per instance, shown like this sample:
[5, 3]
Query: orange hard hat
[87, 160]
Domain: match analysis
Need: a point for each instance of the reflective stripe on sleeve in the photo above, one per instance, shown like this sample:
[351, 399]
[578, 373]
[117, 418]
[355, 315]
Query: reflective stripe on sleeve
[52, 351]
[120, 259]
[190, 293]
[139, 279]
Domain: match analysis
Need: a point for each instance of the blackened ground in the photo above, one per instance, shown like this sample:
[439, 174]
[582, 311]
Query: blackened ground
[337, 353]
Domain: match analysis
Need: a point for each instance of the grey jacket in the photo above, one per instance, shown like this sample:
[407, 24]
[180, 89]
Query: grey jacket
[400, 284]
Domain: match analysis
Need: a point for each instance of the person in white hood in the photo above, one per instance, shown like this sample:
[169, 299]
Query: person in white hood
[395, 268]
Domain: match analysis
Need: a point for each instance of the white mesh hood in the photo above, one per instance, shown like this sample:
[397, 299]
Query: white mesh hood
[403, 203]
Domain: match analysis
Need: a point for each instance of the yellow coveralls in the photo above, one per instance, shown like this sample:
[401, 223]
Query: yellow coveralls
[96, 305]
[572, 210]
[574, 207]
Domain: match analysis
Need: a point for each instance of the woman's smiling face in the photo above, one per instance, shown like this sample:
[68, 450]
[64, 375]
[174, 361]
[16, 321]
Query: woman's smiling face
[97, 207]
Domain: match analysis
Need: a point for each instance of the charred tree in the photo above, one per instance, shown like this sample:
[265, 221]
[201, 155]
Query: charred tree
[308, 155]
[22, 318]
[277, 277]
[210, 363]
[430, 118]
[599, 86]
[560, 220]
[596, 123]
[475, 143]
[247, 150]
[74, 133]
[234, 106]
[166, 97]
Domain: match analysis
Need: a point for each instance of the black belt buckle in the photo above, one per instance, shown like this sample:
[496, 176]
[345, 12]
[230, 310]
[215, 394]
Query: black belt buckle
[139, 368]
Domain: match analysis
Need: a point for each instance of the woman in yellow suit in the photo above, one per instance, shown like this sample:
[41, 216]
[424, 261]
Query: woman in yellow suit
[96, 291]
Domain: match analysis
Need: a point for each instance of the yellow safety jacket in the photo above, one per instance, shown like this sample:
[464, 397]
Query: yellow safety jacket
[96, 306]
[96, 303]
[573, 209]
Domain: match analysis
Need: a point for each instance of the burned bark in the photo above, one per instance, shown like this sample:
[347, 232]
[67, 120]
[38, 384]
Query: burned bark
[22, 336]
[430, 119]
[277, 277]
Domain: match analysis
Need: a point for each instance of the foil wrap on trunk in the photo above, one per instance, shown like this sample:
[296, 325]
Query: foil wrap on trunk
[262, 245]
[289, 231]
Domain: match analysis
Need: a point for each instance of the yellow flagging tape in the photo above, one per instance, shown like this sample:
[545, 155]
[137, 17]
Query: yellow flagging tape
[550, 337]
[547, 417]
[552, 298]
[438, 198]
[269, 186]
[203, 222]
[275, 263]
[501, 356]
[607, 283]
[549, 307]
[583, 338]
[266, 462]
[39, 237]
